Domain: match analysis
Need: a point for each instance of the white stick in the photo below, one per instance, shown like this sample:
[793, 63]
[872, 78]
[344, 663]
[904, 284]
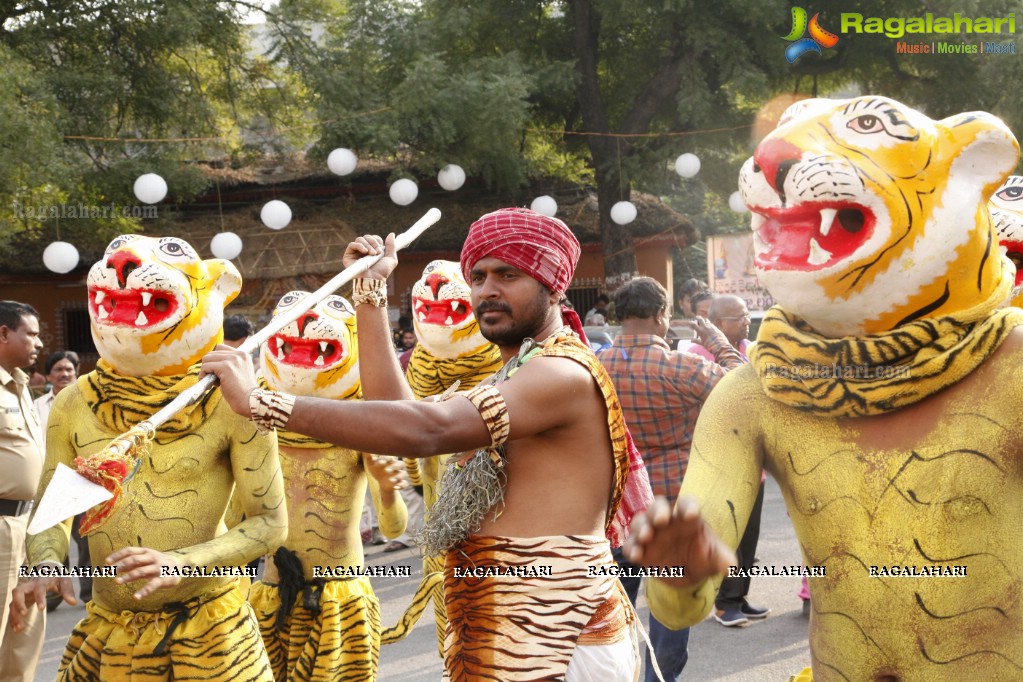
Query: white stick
[196, 392]
[79, 494]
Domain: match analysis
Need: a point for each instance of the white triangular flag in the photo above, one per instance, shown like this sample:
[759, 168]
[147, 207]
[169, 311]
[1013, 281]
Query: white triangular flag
[68, 494]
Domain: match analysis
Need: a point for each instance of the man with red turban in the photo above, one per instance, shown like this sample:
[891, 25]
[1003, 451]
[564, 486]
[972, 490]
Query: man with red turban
[527, 516]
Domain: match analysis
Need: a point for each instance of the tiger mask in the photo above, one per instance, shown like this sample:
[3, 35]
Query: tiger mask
[442, 312]
[868, 214]
[1007, 213]
[156, 307]
[316, 355]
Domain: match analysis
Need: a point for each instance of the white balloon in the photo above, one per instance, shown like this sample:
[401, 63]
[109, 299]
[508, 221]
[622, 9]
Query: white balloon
[736, 203]
[687, 165]
[545, 205]
[404, 191]
[624, 212]
[60, 257]
[226, 245]
[275, 214]
[342, 161]
[150, 188]
[451, 177]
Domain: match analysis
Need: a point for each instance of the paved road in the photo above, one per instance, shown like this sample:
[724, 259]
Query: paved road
[771, 649]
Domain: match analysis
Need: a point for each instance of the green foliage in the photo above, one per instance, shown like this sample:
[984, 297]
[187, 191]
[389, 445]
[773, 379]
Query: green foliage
[397, 80]
[93, 85]
[31, 146]
[508, 89]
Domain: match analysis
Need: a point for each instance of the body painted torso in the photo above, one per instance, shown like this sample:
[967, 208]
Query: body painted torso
[325, 489]
[176, 499]
[934, 484]
[326, 484]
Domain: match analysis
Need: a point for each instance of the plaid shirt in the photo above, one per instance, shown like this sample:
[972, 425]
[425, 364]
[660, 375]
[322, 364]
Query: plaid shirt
[662, 392]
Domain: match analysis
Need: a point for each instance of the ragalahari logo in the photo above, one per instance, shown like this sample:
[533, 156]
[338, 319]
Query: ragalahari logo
[818, 38]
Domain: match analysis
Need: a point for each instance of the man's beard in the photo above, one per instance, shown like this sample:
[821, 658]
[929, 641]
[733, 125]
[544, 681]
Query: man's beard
[524, 324]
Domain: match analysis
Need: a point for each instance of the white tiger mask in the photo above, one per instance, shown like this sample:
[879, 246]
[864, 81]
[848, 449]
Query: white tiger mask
[442, 312]
[868, 214]
[156, 307]
[317, 354]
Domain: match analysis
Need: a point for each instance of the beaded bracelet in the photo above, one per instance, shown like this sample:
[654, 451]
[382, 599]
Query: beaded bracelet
[270, 409]
[367, 290]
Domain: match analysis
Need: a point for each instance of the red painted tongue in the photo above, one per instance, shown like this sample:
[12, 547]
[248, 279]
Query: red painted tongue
[303, 352]
[792, 241]
[127, 304]
[789, 240]
[437, 313]
[124, 305]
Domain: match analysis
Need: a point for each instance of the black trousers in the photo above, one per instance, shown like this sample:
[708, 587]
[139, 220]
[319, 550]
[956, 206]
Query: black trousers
[733, 590]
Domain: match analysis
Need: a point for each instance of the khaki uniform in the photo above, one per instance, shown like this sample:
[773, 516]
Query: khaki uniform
[21, 460]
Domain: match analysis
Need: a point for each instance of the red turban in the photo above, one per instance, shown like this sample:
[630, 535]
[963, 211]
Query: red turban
[542, 247]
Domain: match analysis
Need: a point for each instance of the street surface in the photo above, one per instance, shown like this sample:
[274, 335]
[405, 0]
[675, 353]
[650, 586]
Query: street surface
[770, 649]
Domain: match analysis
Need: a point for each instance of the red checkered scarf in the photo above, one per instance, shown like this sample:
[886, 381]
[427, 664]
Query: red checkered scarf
[541, 246]
[636, 497]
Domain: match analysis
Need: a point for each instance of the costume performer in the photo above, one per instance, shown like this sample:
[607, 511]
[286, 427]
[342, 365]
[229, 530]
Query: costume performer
[451, 351]
[315, 626]
[156, 308]
[1007, 213]
[511, 627]
[495, 622]
[883, 394]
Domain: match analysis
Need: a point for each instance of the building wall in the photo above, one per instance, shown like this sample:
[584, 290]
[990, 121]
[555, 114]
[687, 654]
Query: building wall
[59, 300]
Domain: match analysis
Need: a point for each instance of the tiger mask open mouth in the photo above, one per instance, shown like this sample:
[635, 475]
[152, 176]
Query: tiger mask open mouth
[156, 307]
[316, 354]
[868, 214]
[442, 312]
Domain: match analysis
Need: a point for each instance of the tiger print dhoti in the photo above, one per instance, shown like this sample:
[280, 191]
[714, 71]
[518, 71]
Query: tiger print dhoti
[342, 642]
[516, 627]
[213, 637]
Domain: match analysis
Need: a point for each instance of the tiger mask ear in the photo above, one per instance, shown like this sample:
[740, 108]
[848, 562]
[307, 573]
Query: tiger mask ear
[227, 281]
[983, 148]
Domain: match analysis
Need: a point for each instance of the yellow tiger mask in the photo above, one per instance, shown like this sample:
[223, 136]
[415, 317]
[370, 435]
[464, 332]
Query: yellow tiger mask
[156, 307]
[442, 312]
[317, 354]
[1007, 213]
[868, 214]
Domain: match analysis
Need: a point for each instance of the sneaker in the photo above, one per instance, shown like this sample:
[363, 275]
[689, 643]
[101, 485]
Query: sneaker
[730, 618]
[754, 612]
